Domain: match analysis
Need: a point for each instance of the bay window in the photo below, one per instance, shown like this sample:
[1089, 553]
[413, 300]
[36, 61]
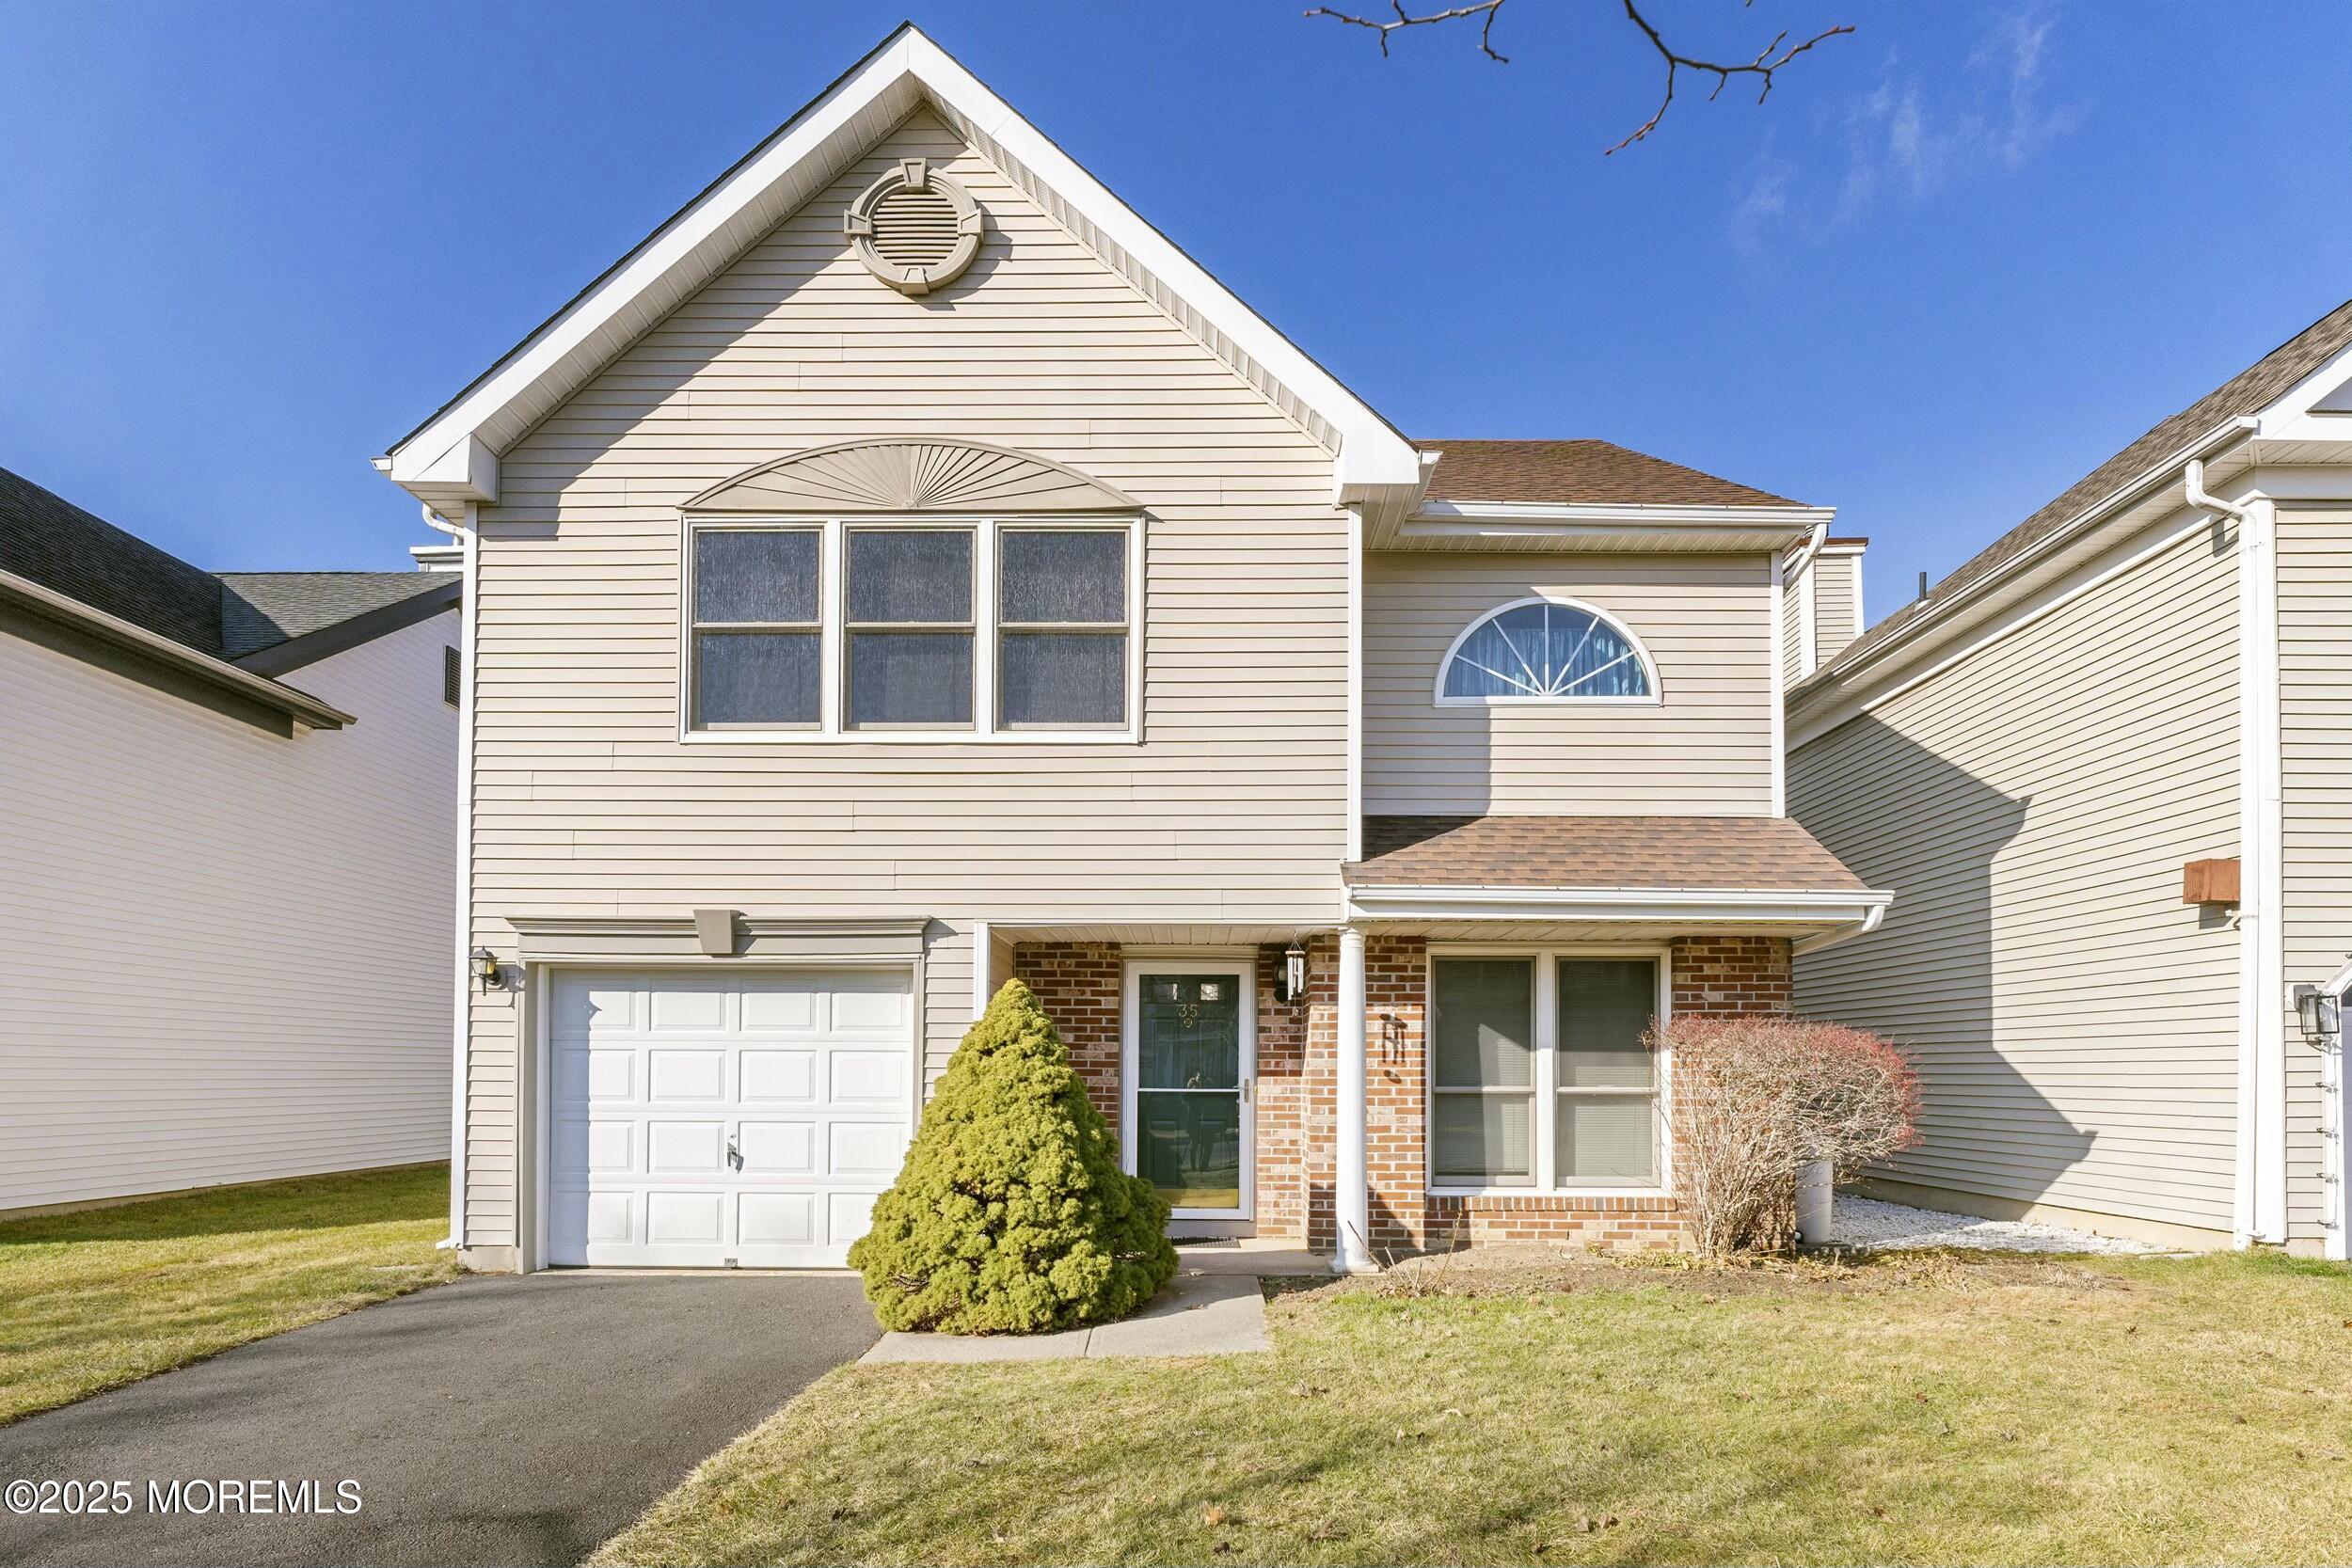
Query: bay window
[1541, 1076]
[922, 628]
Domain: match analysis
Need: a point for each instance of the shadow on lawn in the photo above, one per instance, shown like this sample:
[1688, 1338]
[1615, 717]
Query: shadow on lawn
[302, 1203]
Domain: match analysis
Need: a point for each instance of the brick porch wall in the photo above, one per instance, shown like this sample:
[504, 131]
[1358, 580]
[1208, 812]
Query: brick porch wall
[1080, 985]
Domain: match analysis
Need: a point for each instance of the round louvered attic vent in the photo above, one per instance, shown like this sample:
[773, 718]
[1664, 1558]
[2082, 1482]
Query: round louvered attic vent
[914, 229]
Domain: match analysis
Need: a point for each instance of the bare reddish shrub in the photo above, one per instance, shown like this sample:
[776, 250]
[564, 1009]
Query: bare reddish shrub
[1758, 1097]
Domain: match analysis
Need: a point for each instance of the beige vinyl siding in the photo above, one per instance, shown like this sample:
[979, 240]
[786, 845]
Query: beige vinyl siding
[587, 802]
[2315, 776]
[1836, 604]
[1706, 749]
[228, 954]
[2031, 807]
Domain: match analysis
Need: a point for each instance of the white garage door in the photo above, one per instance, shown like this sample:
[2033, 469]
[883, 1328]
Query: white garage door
[744, 1120]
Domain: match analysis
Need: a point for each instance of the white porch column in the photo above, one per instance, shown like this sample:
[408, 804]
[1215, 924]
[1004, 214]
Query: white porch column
[1351, 1201]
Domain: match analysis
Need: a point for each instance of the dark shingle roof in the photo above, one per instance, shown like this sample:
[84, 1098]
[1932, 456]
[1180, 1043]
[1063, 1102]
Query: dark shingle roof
[54, 542]
[2248, 392]
[226, 614]
[1762, 852]
[261, 609]
[1593, 473]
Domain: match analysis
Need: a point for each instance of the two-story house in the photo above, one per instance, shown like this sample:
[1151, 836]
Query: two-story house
[907, 569]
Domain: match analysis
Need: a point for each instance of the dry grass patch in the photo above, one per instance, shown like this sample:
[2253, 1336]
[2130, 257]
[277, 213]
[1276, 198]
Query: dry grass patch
[104, 1297]
[1947, 1409]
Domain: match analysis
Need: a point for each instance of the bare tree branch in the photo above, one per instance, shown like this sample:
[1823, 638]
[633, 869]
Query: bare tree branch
[1487, 9]
[1768, 61]
[1762, 67]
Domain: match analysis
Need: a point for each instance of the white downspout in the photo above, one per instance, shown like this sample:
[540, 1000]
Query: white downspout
[1808, 635]
[462, 1026]
[2262, 1130]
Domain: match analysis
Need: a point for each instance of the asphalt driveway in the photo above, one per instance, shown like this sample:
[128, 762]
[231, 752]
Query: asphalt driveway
[491, 1420]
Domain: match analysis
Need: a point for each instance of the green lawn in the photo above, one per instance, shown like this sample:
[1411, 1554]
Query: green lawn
[1939, 1410]
[107, 1296]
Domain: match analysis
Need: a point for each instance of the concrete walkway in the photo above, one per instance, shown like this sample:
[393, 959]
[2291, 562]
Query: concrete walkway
[491, 1420]
[1198, 1314]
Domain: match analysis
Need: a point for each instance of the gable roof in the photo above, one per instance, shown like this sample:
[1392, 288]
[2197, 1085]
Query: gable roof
[1581, 472]
[2244, 395]
[47, 539]
[451, 459]
[262, 611]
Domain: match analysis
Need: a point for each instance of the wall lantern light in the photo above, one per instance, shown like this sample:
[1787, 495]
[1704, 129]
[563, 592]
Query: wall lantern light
[2320, 1014]
[486, 968]
[1294, 973]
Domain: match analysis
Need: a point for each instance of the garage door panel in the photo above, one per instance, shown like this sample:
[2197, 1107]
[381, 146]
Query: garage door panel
[865, 1150]
[685, 1147]
[810, 1075]
[679, 1008]
[778, 1148]
[777, 1219]
[674, 1074]
[780, 1077]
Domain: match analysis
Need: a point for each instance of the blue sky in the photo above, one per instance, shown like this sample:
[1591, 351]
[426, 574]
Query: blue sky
[1958, 258]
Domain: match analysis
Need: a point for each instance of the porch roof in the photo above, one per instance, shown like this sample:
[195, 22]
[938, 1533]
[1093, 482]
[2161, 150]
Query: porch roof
[1755, 854]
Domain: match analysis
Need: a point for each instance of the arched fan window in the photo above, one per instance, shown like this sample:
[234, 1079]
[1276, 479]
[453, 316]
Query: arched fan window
[1546, 651]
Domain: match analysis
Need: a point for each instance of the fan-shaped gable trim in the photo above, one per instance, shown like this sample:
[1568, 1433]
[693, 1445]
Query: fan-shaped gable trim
[914, 473]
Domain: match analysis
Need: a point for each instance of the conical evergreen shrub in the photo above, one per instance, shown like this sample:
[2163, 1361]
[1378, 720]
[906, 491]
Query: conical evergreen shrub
[1011, 1216]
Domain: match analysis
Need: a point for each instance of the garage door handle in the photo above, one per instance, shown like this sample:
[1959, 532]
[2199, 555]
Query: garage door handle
[734, 1156]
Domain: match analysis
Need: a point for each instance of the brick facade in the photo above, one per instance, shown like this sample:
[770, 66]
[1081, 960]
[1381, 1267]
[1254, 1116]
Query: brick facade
[1297, 1088]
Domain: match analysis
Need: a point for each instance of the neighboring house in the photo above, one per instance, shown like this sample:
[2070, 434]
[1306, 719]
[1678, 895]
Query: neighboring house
[227, 855]
[2102, 767]
[907, 570]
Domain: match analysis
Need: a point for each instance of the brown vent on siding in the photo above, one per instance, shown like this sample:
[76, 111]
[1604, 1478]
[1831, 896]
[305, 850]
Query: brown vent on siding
[913, 229]
[2209, 882]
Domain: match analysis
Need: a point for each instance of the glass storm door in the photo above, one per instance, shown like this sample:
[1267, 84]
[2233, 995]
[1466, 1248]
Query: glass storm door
[1188, 1111]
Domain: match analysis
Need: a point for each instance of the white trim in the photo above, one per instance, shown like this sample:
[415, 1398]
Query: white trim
[1244, 970]
[1545, 1131]
[2261, 956]
[1354, 828]
[1351, 1180]
[982, 992]
[699, 241]
[1641, 656]
[1797, 520]
[461, 1048]
[1779, 690]
[1752, 905]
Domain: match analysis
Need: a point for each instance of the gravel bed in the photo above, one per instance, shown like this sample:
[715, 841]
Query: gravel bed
[1861, 1222]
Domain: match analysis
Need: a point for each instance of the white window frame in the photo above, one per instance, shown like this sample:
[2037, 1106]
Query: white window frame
[1640, 654]
[832, 727]
[1547, 961]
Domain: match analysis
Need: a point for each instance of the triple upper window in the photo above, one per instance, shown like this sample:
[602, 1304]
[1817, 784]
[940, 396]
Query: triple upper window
[978, 627]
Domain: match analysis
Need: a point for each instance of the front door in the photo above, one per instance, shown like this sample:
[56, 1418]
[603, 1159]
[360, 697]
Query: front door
[1188, 1116]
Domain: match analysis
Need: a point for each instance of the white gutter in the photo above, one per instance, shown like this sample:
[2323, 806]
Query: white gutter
[2260, 1205]
[462, 1026]
[1808, 635]
[1861, 907]
[2335, 1174]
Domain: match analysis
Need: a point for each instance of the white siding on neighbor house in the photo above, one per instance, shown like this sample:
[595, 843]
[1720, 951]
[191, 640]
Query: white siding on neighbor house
[586, 801]
[2031, 807]
[1836, 604]
[228, 953]
[1704, 750]
[2315, 776]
